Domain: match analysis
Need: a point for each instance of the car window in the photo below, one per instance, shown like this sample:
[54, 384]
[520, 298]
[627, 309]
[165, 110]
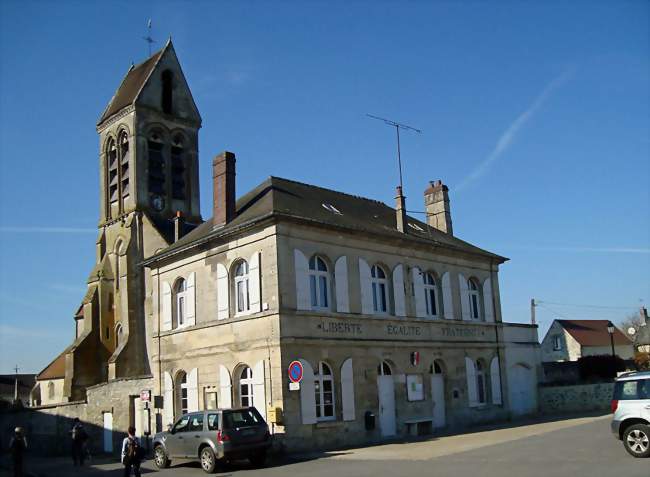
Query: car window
[241, 418]
[628, 390]
[181, 425]
[213, 422]
[196, 422]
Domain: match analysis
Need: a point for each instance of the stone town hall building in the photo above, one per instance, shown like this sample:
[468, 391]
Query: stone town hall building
[388, 315]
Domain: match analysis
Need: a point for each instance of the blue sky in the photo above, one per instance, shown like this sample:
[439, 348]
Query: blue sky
[535, 114]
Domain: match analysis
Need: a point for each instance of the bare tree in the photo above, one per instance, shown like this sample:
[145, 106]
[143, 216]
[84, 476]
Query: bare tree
[631, 321]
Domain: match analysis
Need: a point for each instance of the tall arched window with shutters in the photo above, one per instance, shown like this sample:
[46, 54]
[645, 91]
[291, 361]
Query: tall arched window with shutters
[246, 387]
[324, 392]
[481, 382]
[241, 292]
[156, 170]
[431, 295]
[319, 283]
[181, 389]
[474, 298]
[180, 302]
[379, 290]
[112, 178]
[179, 180]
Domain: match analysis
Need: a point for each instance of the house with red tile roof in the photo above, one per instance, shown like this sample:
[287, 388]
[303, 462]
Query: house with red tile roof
[568, 340]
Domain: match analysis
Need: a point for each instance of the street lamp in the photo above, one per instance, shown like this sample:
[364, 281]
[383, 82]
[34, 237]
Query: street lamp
[610, 330]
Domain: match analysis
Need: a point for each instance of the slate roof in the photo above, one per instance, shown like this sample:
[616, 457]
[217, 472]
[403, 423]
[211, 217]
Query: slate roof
[54, 370]
[131, 85]
[593, 332]
[287, 199]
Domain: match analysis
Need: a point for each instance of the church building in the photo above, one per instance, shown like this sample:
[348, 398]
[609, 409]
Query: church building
[395, 322]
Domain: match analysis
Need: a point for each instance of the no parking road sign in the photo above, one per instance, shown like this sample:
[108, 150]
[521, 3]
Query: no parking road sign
[295, 371]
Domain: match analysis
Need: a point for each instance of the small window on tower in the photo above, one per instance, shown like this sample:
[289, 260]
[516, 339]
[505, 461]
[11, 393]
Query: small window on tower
[167, 88]
[178, 168]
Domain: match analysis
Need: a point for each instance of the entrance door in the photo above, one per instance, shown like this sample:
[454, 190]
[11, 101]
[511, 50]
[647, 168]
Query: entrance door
[386, 391]
[438, 397]
[522, 389]
[108, 432]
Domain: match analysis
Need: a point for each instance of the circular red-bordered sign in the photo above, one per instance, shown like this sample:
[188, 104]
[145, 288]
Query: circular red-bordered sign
[295, 371]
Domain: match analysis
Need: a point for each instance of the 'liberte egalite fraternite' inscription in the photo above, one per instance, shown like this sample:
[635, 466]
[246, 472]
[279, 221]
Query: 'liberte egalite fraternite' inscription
[350, 328]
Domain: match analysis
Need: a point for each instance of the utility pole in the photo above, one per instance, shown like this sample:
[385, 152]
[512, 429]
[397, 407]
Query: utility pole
[532, 311]
[16, 384]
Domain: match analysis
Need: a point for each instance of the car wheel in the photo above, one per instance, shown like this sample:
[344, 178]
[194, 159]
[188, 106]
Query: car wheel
[258, 459]
[160, 458]
[636, 440]
[208, 460]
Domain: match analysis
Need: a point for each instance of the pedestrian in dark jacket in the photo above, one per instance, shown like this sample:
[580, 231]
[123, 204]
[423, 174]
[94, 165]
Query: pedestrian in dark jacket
[131, 453]
[79, 437]
[17, 447]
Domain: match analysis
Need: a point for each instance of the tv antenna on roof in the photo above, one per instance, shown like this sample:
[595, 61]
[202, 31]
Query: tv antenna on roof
[397, 127]
[148, 38]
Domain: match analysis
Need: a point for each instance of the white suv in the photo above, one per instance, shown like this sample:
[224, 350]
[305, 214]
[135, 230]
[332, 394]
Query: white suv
[631, 408]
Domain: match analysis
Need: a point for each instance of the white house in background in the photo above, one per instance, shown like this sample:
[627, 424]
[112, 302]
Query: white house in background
[568, 340]
[49, 384]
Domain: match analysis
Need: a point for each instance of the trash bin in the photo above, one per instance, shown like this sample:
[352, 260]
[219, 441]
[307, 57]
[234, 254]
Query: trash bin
[369, 418]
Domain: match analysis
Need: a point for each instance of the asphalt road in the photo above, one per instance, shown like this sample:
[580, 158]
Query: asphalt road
[564, 448]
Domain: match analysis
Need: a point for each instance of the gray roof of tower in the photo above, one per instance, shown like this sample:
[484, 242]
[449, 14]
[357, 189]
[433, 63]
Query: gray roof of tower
[288, 199]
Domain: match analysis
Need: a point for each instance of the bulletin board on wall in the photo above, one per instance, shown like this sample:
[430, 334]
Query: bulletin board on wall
[414, 387]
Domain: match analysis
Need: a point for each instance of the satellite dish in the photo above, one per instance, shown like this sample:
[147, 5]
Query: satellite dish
[631, 331]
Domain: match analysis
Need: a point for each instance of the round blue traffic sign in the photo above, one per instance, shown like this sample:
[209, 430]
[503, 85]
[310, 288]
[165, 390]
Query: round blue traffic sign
[295, 371]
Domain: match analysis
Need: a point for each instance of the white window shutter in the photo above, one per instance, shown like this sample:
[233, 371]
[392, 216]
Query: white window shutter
[255, 283]
[168, 400]
[301, 266]
[347, 390]
[398, 290]
[447, 297]
[366, 288]
[464, 297]
[190, 310]
[193, 390]
[223, 310]
[341, 279]
[472, 392]
[495, 377]
[487, 300]
[166, 321]
[259, 388]
[418, 291]
[225, 388]
[307, 394]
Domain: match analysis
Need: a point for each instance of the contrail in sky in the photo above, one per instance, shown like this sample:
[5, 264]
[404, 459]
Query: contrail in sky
[508, 136]
[48, 230]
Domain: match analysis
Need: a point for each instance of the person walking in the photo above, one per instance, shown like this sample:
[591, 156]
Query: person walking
[79, 438]
[132, 453]
[17, 447]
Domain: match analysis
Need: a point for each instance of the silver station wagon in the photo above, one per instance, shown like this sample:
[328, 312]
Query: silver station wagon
[214, 436]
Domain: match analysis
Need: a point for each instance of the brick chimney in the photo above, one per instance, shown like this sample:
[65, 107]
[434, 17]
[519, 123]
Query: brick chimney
[223, 188]
[400, 210]
[436, 201]
[179, 225]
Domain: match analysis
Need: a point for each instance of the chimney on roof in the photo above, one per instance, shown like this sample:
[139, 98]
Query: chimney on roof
[436, 202]
[400, 209]
[223, 188]
[643, 313]
[179, 226]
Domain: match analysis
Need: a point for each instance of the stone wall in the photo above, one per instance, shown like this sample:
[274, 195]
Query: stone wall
[584, 397]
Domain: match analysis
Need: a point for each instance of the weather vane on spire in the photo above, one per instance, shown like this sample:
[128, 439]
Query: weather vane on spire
[148, 38]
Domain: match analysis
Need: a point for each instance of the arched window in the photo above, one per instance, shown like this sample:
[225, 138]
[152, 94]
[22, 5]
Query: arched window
[123, 142]
[112, 168]
[156, 170]
[242, 303]
[119, 335]
[50, 390]
[474, 301]
[481, 386]
[384, 369]
[379, 289]
[318, 283]
[167, 91]
[431, 294]
[246, 387]
[180, 302]
[178, 168]
[181, 393]
[324, 389]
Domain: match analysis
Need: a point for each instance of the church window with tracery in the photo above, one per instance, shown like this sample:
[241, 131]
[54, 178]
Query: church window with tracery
[178, 168]
[124, 164]
[156, 165]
